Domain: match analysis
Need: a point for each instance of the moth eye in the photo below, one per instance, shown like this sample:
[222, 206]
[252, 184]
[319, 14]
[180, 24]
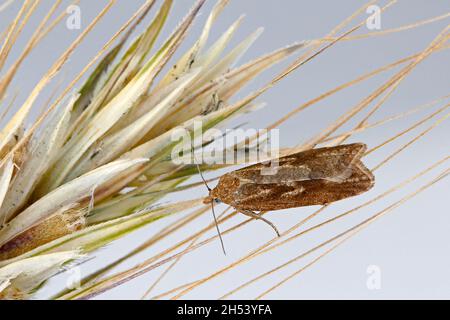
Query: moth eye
[216, 200]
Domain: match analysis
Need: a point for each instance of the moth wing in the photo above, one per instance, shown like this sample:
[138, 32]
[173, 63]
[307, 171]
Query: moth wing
[333, 174]
[322, 163]
[268, 197]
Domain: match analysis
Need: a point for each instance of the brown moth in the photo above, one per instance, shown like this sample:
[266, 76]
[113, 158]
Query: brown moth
[313, 177]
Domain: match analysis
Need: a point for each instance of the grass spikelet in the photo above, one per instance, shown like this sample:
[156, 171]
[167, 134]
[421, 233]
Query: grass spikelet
[96, 164]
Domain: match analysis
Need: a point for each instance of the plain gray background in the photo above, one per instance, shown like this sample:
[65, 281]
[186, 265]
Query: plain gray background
[409, 245]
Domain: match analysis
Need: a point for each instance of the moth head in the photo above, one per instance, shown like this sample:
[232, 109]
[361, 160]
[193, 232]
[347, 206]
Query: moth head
[211, 199]
[208, 200]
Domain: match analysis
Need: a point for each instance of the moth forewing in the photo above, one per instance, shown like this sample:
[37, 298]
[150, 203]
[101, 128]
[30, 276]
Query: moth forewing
[312, 177]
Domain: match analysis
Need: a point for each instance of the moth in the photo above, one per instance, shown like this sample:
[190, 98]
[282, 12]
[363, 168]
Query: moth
[313, 177]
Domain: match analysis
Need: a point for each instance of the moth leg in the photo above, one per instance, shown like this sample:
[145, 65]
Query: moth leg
[258, 216]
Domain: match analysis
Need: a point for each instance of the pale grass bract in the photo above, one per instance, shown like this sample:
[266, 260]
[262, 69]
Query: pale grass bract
[95, 165]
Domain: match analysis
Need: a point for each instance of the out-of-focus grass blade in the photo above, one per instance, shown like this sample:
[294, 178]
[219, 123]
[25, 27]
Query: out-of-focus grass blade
[17, 121]
[5, 178]
[201, 101]
[40, 155]
[133, 60]
[116, 144]
[94, 237]
[21, 278]
[119, 105]
[185, 63]
[76, 191]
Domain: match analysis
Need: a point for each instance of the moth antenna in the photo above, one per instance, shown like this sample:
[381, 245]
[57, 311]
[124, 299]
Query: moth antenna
[201, 175]
[198, 168]
[212, 202]
[217, 227]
